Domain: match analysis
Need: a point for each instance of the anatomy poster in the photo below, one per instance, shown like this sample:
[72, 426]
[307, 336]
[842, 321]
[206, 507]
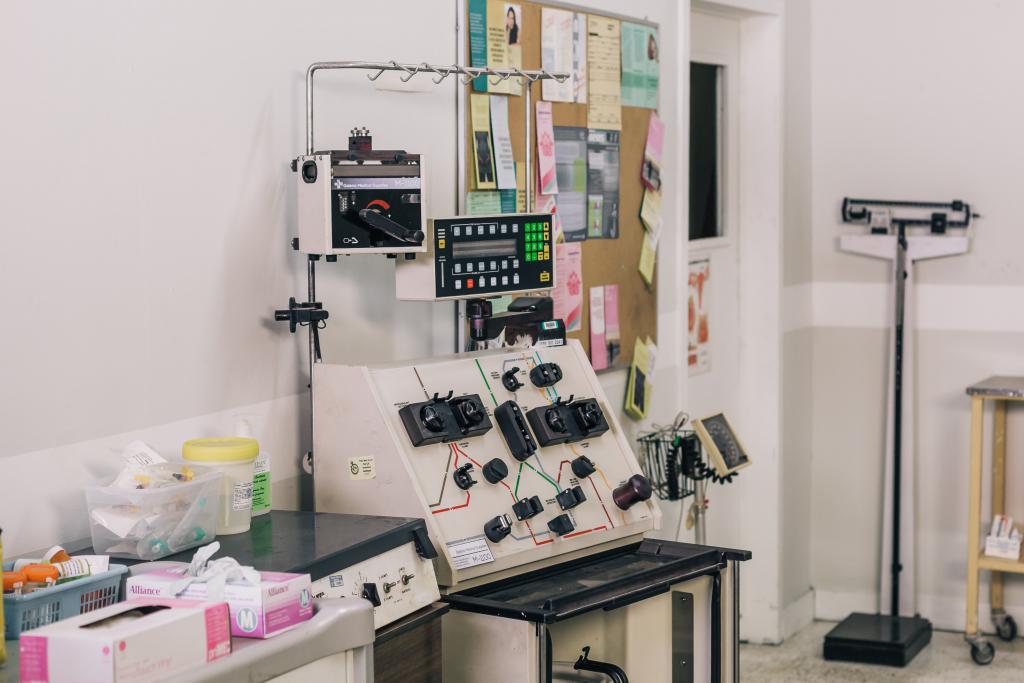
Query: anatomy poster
[699, 355]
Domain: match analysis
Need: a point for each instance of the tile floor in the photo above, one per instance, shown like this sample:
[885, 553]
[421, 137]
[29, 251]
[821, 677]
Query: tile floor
[945, 660]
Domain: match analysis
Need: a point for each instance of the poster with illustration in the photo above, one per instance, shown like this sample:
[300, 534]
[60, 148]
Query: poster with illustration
[699, 354]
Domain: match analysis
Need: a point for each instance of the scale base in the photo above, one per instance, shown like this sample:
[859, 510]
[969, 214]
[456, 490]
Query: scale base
[877, 639]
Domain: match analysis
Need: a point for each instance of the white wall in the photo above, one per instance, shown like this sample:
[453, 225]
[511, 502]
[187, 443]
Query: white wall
[898, 113]
[147, 211]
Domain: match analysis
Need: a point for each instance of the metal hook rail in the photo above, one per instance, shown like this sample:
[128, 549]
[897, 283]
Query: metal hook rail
[466, 74]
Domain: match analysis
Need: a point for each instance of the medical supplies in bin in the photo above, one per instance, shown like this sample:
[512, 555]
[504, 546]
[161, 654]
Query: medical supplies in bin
[156, 510]
[48, 605]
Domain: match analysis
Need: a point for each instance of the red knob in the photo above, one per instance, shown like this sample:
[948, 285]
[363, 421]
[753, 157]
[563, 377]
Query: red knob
[635, 490]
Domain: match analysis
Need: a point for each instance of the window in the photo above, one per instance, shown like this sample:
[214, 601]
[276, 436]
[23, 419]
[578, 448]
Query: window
[706, 126]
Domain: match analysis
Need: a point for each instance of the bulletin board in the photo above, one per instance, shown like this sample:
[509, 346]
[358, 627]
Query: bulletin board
[604, 261]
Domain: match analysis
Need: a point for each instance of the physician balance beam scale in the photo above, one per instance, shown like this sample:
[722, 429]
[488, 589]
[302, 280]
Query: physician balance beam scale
[889, 638]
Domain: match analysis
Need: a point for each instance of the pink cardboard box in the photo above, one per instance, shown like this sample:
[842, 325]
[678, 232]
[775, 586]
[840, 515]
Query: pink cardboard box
[130, 642]
[281, 601]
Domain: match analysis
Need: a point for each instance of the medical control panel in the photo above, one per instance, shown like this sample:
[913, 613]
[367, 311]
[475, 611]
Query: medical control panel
[512, 456]
[481, 256]
[398, 582]
[360, 200]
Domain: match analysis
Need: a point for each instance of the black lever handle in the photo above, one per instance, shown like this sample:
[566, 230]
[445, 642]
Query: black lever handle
[391, 228]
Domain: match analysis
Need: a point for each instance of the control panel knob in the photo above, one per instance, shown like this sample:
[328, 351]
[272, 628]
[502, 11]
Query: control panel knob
[470, 413]
[407, 579]
[431, 418]
[588, 415]
[583, 467]
[462, 478]
[553, 417]
[495, 470]
[370, 593]
[571, 497]
[635, 490]
[510, 381]
[527, 508]
[388, 585]
[561, 525]
[546, 374]
[498, 528]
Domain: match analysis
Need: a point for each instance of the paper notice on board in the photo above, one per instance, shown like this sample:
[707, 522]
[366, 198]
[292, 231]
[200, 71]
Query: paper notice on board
[603, 183]
[612, 335]
[650, 172]
[699, 333]
[568, 293]
[556, 53]
[579, 58]
[571, 170]
[598, 347]
[650, 212]
[547, 178]
[478, 40]
[521, 187]
[604, 73]
[483, 203]
[648, 256]
[483, 152]
[639, 66]
[504, 159]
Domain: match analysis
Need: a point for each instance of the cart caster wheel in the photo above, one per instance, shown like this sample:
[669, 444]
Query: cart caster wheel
[983, 654]
[1006, 629]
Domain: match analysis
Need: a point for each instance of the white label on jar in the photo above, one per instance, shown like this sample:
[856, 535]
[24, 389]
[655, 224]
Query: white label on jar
[362, 468]
[241, 496]
[262, 465]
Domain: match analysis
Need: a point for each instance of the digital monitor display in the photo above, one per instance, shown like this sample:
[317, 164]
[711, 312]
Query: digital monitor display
[483, 248]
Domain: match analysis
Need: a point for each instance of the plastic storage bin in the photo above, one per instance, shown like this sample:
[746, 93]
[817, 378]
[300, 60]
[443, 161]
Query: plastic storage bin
[47, 605]
[148, 524]
[235, 457]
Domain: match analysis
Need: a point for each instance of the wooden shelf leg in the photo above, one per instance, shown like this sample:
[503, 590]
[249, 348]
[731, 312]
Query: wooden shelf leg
[998, 487]
[974, 515]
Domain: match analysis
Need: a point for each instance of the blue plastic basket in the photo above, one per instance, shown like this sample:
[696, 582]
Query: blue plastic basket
[47, 605]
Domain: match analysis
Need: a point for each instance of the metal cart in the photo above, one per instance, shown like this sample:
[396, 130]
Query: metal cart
[998, 390]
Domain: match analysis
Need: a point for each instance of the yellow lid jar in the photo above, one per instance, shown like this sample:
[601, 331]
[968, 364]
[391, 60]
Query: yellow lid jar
[234, 458]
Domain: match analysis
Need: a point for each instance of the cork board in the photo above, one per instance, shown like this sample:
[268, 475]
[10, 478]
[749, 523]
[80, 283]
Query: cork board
[605, 261]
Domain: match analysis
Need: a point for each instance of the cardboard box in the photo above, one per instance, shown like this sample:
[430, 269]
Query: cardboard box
[281, 601]
[134, 641]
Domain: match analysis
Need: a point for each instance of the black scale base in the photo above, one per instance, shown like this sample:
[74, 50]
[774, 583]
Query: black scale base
[877, 639]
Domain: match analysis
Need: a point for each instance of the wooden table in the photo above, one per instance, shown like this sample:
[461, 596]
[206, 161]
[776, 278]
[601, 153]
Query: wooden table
[998, 390]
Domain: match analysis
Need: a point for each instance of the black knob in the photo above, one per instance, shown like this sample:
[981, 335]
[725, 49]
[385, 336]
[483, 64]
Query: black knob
[370, 593]
[553, 416]
[431, 418]
[510, 381]
[588, 415]
[495, 470]
[527, 508]
[635, 490]
[498, 528]
[561, 525]
[470, 412]
[571, 497]
[462, 478]
[546, 374]
[583, 467]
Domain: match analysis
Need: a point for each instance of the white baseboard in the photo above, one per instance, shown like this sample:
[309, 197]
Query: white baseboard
[798, 614]
[945, 612]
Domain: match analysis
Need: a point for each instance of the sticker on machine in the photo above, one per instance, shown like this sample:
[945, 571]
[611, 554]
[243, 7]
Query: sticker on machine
[362, 468]
[469, 553]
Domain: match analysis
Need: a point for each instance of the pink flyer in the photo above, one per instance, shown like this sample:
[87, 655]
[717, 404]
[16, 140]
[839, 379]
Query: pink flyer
[546, 176]
[568, 294]
[598, 346]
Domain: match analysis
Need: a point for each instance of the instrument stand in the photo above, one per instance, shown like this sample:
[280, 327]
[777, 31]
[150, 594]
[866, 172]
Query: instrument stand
[882, 638]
